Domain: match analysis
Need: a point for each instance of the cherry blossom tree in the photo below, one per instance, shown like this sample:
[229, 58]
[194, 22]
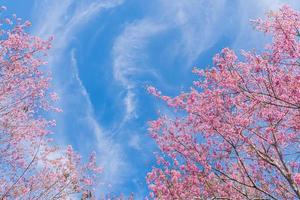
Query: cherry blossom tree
[236, 133]
[31, 166]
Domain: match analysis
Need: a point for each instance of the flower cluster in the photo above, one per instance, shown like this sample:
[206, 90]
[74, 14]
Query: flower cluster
[31, 167]
[239, 137]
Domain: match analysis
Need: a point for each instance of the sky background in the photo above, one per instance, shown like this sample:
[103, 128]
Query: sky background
[106, 52]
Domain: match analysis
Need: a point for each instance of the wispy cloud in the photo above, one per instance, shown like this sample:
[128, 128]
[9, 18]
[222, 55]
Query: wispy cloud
[194, 21]
[128, 51]
[64, 19]
[110, 156]
[135, 141]
[199, 23]
[67, 16]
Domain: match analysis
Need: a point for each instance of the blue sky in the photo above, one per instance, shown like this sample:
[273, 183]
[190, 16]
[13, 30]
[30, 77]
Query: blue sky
[106, 52]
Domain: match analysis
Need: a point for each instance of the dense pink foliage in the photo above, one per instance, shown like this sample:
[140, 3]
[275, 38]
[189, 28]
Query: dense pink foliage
[236, 134]
[31, 167]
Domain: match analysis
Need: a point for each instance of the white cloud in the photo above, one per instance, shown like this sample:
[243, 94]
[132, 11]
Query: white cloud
[130, 102]
[63, 19]
[128, 49]
[135, 141]
[194, 21]
[110, 156]
[127, 53]
[202, 23]
[199, 23]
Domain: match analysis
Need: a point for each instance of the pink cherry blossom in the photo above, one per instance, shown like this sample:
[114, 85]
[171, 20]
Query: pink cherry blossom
[297, 178]
[32, 166]
[237, 135]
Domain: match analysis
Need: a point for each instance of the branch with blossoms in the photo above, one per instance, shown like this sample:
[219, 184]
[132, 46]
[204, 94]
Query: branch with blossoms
[239, 137]
[31, 166]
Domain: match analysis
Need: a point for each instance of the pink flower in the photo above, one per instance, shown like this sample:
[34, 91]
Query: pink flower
[297, 178]
[54, 96]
